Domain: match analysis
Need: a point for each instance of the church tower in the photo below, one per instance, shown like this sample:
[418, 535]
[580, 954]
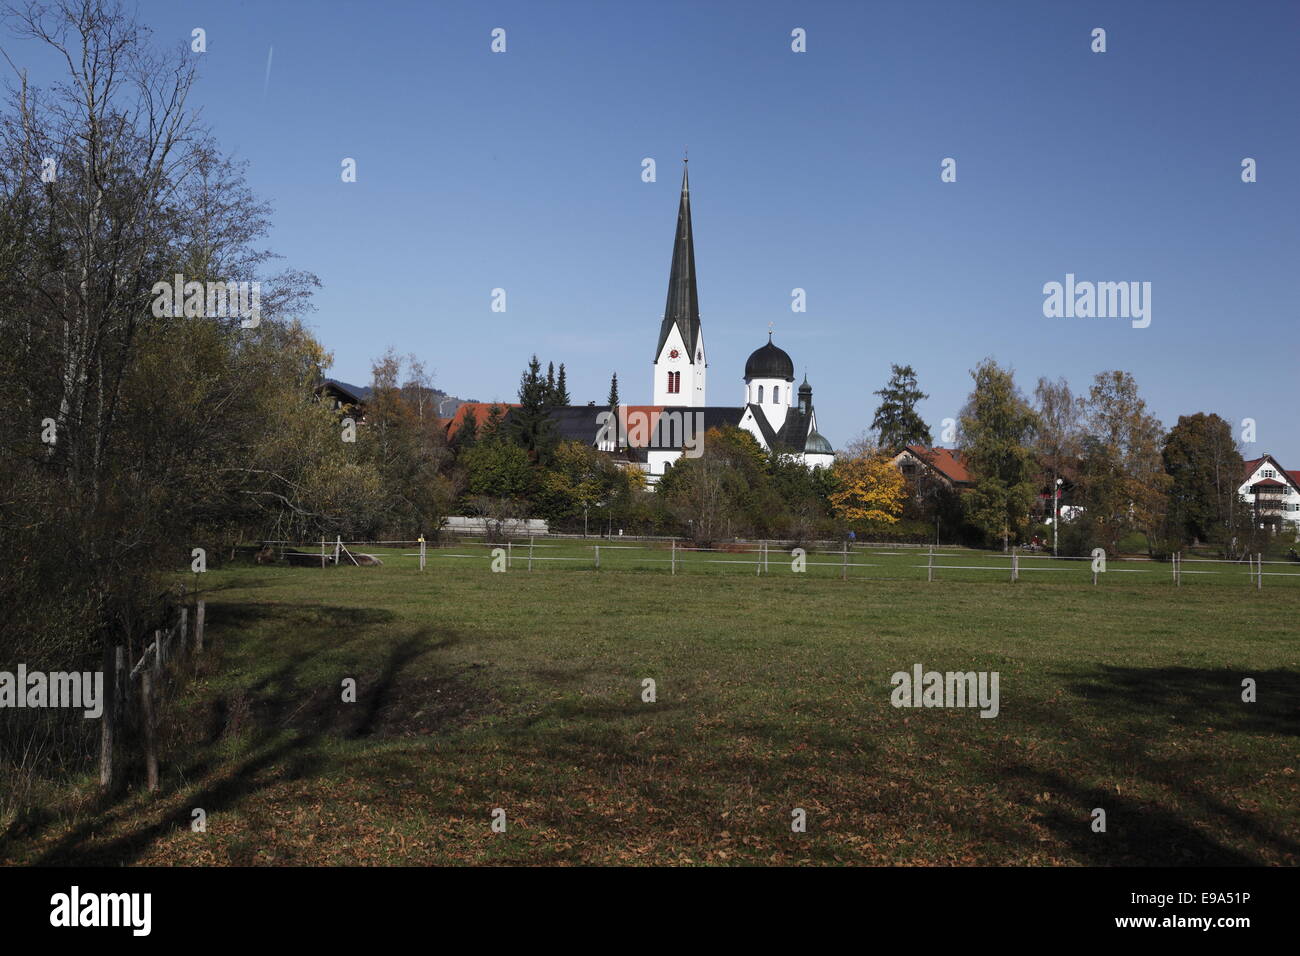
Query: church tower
[680, 364]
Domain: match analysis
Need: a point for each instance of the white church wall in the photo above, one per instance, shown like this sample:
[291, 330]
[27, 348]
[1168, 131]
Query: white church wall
[692, 373]
[773, 395]
[698, 369]
[748, 423]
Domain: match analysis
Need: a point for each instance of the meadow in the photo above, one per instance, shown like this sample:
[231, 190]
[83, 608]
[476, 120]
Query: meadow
[524, 691]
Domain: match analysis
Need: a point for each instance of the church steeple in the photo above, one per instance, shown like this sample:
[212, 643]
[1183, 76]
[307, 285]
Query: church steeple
[680, 362]
[683, 307]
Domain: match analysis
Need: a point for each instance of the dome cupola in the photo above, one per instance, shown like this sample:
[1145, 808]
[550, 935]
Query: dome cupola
[769, 362]
[817, 445]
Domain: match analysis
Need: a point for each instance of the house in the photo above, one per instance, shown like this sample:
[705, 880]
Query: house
[1272, 492]
[344, 398]
[943, 465]
[946, 468]
[476, 412]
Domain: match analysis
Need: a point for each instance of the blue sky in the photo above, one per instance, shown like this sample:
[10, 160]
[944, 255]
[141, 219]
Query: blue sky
[817, 170]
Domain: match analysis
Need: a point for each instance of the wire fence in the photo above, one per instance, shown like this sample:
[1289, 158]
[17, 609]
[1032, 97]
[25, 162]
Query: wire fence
[135, 696]
[861, 560]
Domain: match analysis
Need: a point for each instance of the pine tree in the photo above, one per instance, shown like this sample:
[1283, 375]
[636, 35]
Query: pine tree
[550, 383]
[561, 389]
[491, 430]
[612, 401]
[897, 422]
[466, 434]
[531, 422]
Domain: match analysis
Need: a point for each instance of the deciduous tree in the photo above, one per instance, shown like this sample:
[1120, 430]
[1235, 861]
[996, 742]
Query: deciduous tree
[996, 428]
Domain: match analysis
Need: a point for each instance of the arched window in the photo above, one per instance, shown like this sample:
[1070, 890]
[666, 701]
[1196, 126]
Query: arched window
[776, 394]
[760, 394]
[674, 382]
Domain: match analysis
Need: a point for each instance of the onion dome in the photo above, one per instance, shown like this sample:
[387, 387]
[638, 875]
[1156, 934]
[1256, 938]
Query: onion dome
[769, 362]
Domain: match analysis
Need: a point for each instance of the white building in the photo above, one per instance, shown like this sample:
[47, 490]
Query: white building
[1273, 493]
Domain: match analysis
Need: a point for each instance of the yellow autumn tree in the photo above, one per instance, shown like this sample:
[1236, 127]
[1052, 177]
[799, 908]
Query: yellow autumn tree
[870, 489]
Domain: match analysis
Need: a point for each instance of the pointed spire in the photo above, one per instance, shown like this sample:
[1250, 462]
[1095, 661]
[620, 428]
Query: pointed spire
[683, 306]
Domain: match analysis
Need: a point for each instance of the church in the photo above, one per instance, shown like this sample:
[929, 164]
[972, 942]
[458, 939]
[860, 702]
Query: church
[652, 437]
[778, 415]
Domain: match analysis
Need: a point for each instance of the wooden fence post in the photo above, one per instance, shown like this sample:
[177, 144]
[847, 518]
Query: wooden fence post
[1259, 578]
[1015, 565]
[530, 552]
[844, 568]
[929, 573]
[108, 719]
[510, 553]
[597, 557]
[322, 552]
[150, 743]
[198, 627]
[674, 558]
[423, 545]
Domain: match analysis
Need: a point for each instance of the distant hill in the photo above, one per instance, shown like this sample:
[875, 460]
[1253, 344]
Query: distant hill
[447, 404]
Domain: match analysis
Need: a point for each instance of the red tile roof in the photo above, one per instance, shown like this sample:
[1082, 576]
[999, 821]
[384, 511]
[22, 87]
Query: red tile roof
[1250, 467]
[948, 461]
[480, 412]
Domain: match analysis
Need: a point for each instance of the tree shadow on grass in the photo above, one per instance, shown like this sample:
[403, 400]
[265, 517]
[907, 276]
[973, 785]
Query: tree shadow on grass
[282, 726]
[1138, 833]
[1208, 697]
[226, 793]
[242, 615]
[1124, 722]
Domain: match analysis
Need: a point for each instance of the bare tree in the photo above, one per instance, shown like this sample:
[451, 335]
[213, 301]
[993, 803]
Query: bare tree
[1057, 434]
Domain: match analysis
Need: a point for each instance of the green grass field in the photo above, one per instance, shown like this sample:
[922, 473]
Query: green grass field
[522, 691]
